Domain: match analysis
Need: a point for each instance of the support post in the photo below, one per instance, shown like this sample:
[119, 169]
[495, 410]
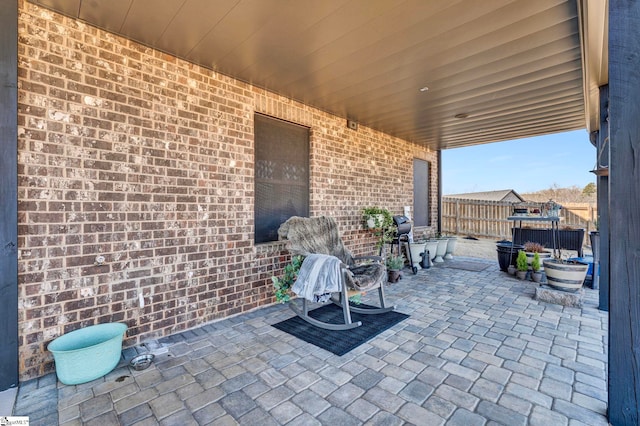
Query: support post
[624, 212]
[602, 161]
[439, 224]
[8, 194]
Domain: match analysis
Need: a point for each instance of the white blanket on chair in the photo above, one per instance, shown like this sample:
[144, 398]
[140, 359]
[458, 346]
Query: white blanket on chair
[319, 276]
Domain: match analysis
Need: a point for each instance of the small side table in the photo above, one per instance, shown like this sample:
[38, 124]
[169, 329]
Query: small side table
[554, 220]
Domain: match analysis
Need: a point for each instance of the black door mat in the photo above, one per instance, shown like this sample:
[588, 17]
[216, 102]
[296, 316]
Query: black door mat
[340, 342]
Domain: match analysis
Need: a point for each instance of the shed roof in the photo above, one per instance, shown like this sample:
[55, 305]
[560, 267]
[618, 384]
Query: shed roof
[500, 195]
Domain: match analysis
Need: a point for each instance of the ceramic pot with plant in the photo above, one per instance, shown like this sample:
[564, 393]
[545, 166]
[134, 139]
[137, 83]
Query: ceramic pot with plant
[536, 275]
[565, 275]
[394, 265]
[380, 221]
[521, 265]
[531, 248]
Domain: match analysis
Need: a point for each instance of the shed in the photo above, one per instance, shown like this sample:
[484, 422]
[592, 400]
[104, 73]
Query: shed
[508, 195]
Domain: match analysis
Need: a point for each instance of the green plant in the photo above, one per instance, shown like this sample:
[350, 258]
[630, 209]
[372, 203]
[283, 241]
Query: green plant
[283, 285]
[535, 263]
[383, 226]
[521, 261]
[395, 263]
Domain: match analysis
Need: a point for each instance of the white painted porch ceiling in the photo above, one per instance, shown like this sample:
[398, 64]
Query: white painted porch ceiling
[513, 67]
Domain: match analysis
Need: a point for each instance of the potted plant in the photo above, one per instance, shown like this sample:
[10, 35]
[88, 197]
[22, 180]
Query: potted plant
[374, 217]
[531, 248]
[521, 265]
[565, 274]
[394, 265]
[507, 253]
[536, 275]
[381, 222]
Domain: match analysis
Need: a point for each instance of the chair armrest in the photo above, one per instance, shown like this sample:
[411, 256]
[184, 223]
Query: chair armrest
[370, 257]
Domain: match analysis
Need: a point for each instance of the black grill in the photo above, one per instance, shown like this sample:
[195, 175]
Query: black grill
[403, 225]
[403, 228]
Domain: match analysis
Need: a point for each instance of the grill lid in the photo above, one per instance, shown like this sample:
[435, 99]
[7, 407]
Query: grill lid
[403, 225]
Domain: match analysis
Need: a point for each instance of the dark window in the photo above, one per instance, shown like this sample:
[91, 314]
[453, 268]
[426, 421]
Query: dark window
[281, 174]
[420, 192]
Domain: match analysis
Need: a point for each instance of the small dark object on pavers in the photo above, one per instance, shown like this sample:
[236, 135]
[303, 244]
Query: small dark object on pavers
[141, 362]
[469, 237]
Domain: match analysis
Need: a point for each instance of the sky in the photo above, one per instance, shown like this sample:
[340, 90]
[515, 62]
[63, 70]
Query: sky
[524, 165]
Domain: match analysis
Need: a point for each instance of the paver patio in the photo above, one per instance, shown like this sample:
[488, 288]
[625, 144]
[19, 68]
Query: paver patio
[476, 350]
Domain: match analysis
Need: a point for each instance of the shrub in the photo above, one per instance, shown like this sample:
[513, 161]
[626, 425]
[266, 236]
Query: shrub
[535, 263]
[521, 261]
[395, 263]
[533, 247]
[283, 285]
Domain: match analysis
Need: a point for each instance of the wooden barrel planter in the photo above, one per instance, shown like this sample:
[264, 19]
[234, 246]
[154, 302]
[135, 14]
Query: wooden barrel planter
[565, 276]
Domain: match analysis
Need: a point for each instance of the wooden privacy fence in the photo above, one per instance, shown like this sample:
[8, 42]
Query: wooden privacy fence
[488, 219]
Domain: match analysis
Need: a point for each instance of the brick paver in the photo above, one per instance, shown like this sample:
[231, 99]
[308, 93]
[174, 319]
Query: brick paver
[477, 349]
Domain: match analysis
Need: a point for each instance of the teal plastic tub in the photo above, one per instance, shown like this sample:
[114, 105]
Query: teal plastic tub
[88, 353]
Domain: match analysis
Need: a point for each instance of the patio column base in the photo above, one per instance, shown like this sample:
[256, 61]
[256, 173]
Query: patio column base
[550, 295]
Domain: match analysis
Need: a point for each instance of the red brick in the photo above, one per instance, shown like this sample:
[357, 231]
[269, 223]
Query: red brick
[139, 171]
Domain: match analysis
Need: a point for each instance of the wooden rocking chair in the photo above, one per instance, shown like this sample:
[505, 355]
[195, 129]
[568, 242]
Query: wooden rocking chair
[319, 235]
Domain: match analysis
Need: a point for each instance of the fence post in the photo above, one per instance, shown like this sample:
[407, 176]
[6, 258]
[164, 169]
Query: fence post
[457, 228]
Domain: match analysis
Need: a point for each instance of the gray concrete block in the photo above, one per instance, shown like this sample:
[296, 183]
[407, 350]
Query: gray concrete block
[550, 295]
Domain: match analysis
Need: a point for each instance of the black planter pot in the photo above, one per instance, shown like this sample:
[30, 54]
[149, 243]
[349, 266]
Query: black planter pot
[569, 239]
[393, 276]
[507, 256]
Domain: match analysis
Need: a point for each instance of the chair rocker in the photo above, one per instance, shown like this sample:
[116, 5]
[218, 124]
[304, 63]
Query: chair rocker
[319, 235]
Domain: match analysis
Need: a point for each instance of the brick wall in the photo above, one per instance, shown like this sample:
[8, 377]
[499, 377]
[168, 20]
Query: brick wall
[147, 160]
